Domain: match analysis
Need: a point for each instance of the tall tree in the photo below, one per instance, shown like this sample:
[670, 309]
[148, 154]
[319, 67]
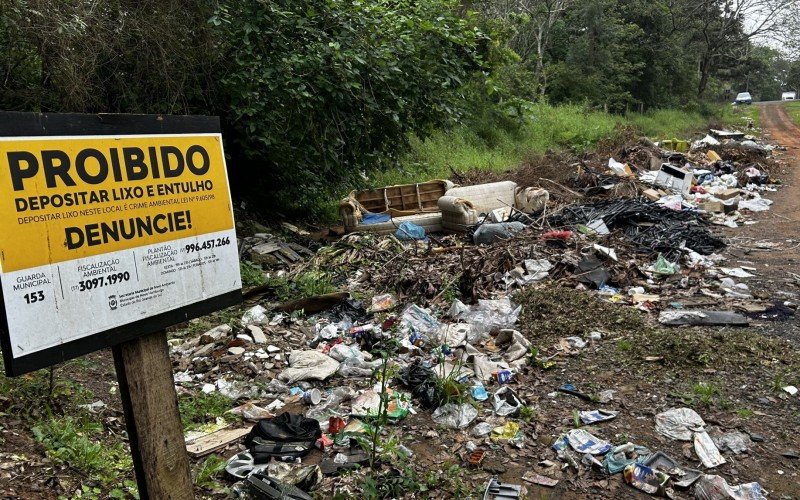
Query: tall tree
[535, 20]
[723, 30]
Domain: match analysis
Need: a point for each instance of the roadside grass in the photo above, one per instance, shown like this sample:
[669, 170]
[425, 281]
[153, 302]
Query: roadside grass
[793, 108]
[304, 285]
[498, 147]
[750, 113]
[706, 392]
[252, 274]
[201, 409]
[497, 144]
[77, 442]
[49, 407]
[208, 472]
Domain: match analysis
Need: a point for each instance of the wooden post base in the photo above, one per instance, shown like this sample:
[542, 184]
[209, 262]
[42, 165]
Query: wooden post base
[144, 371]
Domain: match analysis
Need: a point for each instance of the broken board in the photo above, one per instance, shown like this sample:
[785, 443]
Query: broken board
[217, 440]
[707, 318]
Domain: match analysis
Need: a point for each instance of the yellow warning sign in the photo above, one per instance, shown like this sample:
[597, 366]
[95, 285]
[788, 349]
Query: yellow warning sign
[66, 198]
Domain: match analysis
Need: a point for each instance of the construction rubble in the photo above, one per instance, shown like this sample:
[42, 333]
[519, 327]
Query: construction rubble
[452, 344]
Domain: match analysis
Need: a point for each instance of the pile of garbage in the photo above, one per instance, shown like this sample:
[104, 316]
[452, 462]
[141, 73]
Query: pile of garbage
[651, 227]
[434, 329]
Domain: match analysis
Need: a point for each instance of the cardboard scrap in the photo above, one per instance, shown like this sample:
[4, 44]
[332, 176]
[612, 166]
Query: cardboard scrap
[727, 194]
[214, 441]
[539, 479]
[651, 194]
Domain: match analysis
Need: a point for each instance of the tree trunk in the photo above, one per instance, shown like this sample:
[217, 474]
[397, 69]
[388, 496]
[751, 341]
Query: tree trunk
[705, 70]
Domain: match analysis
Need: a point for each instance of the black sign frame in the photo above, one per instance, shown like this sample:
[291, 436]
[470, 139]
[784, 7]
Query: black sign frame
[19, 124]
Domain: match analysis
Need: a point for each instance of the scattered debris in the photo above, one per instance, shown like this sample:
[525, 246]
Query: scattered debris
[455, 337]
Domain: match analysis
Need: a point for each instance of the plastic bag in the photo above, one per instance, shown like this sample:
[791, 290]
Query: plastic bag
[518, 345]
[506, 402]
[332, 405]
[342, 352]
[679, 423]
[254, 316]
[453, 334]
[368, 404]
[710, 487]
[455, 416]
[420, 320]
[308, 365]
[735, 441]
[383, 302]
[663, 266]
[490, 315]
[506, 432]
[482, 429]
[583, 442]
[357, 368]
[489, 233]
[410, 231]
[422, 382]
[479, 392]
[457, 309]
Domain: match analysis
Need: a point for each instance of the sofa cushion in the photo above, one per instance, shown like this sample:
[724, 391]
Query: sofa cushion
[431, 222]
[486, 197]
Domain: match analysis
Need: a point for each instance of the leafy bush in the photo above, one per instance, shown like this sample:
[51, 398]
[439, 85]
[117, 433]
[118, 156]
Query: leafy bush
[77, 443]
[201, 408]
[252, 274]
[322, 90]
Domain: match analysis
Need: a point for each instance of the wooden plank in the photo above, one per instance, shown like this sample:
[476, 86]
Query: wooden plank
[144, 371]
[214, 441]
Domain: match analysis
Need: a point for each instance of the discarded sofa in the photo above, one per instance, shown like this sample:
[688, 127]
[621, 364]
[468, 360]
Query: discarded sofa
[382, 210]
[435, 205]
[462, 206]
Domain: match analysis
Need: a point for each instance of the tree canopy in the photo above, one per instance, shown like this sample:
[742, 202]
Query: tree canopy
[313, 93]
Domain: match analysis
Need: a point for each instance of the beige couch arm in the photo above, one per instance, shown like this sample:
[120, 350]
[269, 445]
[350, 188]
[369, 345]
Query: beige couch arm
[350, 213]
[457, 213]
[531, 200]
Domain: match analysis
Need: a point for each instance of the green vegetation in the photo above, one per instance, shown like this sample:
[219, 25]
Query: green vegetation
[78, 443]
[304, 285]
[397, 481]
[489, 146]
[624, 345]
[252, 274]
[750, 114]
[334, 87]
[314, 96]
[527, 413]
[200, 409]
[793, 108]
[208, 471]
[705, 391]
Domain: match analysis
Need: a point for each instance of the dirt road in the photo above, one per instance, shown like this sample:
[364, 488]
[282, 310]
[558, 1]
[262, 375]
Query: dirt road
[781, 225]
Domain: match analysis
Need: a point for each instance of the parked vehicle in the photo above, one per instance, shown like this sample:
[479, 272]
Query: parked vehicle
[788, 96]
[743, 98]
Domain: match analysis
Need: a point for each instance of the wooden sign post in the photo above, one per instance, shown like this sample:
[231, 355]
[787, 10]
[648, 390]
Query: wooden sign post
[115, 227]
[154, 426]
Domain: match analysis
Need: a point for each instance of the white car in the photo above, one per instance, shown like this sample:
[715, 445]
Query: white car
[788, 96]
[744, 98]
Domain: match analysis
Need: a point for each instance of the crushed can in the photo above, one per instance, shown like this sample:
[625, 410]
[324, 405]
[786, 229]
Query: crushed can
[357, 330]
[417, 339]
[323, 443]
[504, 376]
[336, 425]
